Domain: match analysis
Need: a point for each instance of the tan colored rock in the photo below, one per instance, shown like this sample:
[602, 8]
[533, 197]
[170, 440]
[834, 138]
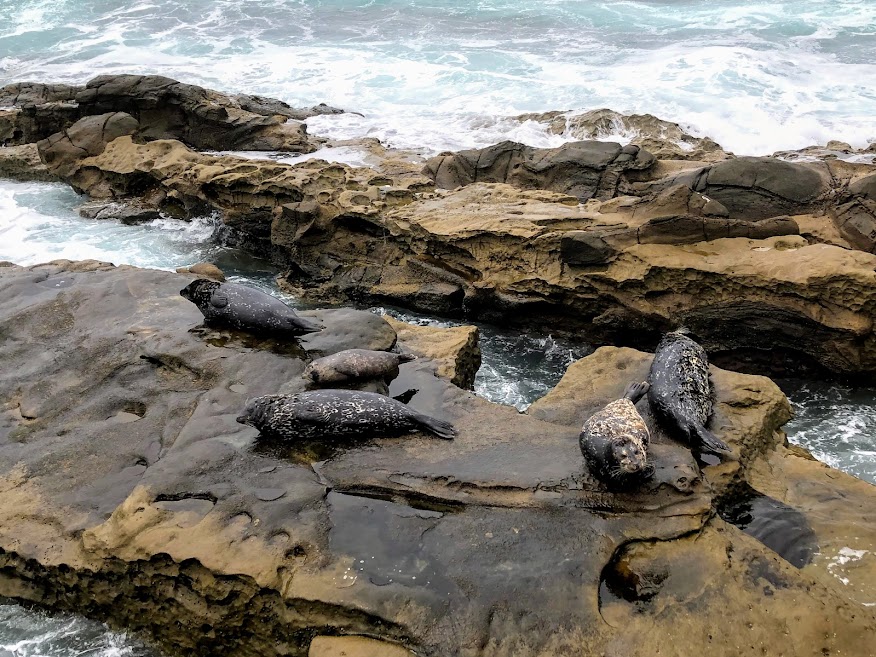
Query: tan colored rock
[205, 270]
[23, 163]
[354, 646]
[664, 139]
[455, 349]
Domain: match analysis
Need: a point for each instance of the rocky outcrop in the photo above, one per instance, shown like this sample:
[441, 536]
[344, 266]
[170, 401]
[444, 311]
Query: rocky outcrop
[456, 349]
[856, 215]
[758, 187]
[673, 244]
[165, 108]
[583, 169]
[130, 494]
[663, 139]
[167, 175]
[23, 163]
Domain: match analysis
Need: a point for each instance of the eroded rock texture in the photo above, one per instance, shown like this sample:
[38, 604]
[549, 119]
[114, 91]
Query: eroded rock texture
[165, 109]
[130, 493]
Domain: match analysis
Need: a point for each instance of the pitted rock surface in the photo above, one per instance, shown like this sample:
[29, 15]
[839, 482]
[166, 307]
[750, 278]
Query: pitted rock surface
[130, 493]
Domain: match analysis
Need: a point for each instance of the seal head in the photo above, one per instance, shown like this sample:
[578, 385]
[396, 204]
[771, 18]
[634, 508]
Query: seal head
[614, 441]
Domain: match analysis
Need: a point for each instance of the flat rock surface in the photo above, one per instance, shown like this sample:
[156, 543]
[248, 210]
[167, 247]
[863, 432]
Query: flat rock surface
[130, 492]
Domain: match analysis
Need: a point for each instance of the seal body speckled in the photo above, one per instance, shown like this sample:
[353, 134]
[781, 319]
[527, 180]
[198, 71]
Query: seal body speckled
[681, 395]
[614, 441]
[354, 366]
[337, 414]
[245, 308]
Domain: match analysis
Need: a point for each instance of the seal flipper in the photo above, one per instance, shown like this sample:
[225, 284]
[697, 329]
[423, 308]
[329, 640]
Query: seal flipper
[635, 391]
[704, 441]
[435, 426]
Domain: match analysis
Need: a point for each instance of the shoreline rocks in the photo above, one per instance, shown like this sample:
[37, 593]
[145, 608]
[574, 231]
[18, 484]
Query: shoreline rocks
[130, 494]
[594, 239]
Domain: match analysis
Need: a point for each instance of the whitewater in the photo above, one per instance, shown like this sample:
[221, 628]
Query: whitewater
[435, 74]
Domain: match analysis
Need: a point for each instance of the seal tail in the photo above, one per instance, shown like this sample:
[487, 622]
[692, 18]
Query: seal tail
[438, 427]
[709, 443]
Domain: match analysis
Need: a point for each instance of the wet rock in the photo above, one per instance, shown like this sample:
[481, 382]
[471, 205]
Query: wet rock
[167, 109]
[128, 213]
[663, 139]
[347, 329]
[584, 169]
[63, 151]
[187, 527]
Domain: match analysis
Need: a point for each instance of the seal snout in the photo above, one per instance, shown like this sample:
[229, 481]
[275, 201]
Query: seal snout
[631, 460]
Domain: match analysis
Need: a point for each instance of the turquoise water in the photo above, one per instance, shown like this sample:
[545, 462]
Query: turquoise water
[757, 76]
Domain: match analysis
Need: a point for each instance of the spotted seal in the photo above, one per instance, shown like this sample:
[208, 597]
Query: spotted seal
[245, 308]
[354, 366]
[337, 414]
[680, 394]
[614, 440]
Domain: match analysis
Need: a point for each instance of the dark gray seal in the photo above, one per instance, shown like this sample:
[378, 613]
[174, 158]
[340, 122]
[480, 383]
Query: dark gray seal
[245, 308]
[614, 440]
[355, 366]
[681, 395]
[337, 414]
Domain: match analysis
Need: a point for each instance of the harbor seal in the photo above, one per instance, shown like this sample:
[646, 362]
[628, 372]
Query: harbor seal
[245, 308]
[680, 394]
[614, 440]
[355, 366]
[337, 414]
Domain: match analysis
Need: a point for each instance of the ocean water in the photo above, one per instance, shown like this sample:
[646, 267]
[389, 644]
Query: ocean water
[757, 76]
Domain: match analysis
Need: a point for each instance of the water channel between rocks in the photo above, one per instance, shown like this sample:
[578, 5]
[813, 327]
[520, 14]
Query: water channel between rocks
[38, 223]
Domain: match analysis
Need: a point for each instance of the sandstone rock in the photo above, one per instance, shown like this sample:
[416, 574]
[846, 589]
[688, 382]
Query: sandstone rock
[354, 646]
[202, 118]
[585, 169]
[204, 270]
[352, 329]
[87, 137]
[28, 94]
[23, 163]
[182, 525]
[455, 349]
[663, 139]
[260, 197]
